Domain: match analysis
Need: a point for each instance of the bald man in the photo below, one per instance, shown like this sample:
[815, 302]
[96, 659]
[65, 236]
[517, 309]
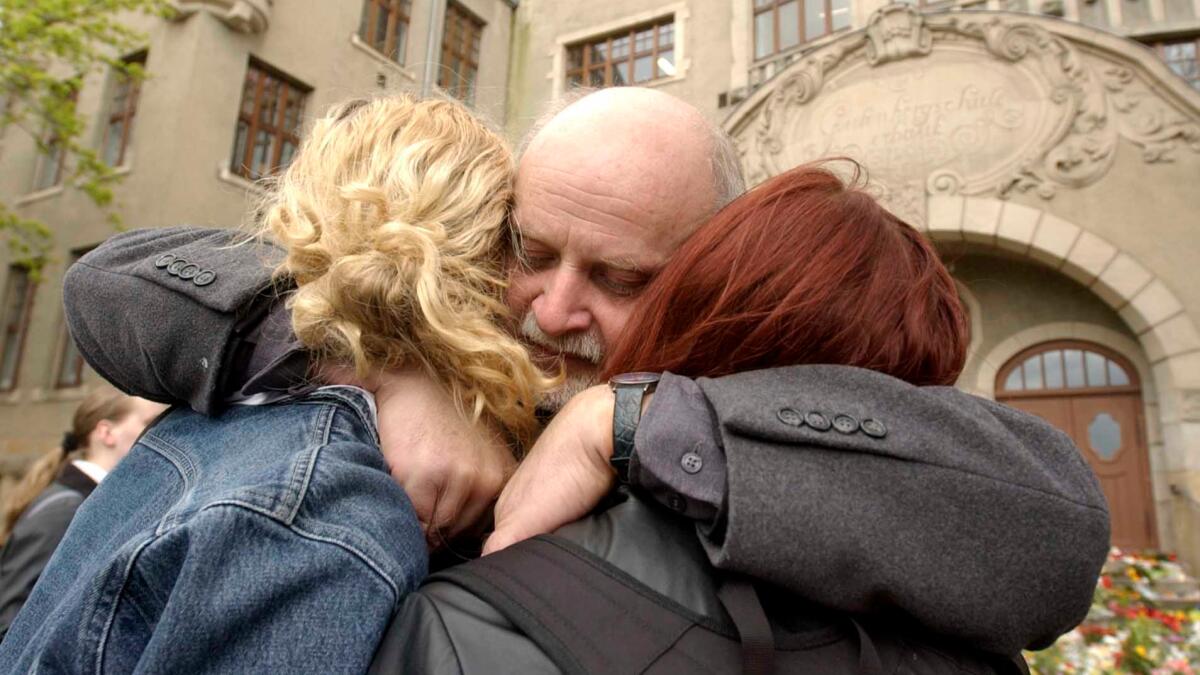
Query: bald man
[607, 188]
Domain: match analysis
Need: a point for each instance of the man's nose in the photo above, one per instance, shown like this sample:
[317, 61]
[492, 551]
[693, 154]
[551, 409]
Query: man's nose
[560, 309]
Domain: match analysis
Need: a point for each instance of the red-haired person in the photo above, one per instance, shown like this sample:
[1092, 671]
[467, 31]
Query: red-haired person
[806, 271]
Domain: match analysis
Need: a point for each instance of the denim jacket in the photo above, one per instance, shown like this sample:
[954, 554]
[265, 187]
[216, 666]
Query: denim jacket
[269, 539]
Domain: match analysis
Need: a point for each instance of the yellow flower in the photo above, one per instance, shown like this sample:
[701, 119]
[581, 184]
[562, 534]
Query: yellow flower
[1131, 573]
[1141, 651]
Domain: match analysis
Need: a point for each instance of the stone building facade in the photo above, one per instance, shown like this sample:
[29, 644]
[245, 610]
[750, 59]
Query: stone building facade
[1051, 149]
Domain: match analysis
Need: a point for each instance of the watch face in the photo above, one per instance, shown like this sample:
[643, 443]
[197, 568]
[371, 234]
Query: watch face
[636, 378]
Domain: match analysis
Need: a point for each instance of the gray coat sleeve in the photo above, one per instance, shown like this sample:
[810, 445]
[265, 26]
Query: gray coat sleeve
[977, 520]
[28, 550]
[160, 312]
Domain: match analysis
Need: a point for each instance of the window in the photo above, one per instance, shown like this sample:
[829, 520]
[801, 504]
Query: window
[460, 53]
[781, 25]
[268, 127]
[1065, 366]
[385, 26]
[641, 54]
[70, 361]
[18, 305]
[635, 56]
[1183, 57]
[121, 109]
[54, 155]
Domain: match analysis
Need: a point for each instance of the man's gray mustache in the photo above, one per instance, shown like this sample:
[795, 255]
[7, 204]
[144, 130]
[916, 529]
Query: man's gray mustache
[588, 346]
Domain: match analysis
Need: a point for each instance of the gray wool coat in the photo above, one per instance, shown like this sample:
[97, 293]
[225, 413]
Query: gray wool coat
[973, 519]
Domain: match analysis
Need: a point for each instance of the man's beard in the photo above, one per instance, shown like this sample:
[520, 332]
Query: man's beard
[587, 346]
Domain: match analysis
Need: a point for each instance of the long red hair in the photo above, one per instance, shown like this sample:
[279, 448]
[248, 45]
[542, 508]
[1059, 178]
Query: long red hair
[804, 269]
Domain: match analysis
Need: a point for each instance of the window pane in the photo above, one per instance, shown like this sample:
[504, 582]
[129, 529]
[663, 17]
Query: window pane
[814, 19]
[596, 77]
[112, 142]
[264, 146]
[1013, 381]
[49, 169]
[764, 35]
[574, 57]
[643, 69]
[620, 48]
[1104, 435]
[239, 149]
[1052, 364]
[600, 52]
[575, 80]
[666, 34]
[381, 23]
[645, 40]
[666, 64]
[1117, 376]
[621, 73]
[789, 25]
[1033, 372]
[1095, 370]
[397, 54]
[841, 14]
[16, 312]
[1073, 360]
[763, 3]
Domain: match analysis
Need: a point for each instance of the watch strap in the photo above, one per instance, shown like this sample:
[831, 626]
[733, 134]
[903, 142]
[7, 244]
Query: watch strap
[627, 412]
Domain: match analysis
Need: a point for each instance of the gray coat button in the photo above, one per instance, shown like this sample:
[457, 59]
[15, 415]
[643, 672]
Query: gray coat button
[691, 462]
[176, 265]
[845, 424]
[874, 428]
[817, 421]
[790, 417]
[205, 277]
[164, 260]
[189, 270]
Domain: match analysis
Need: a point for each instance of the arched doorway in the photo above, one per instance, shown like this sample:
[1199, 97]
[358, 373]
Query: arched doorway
[1093, 394]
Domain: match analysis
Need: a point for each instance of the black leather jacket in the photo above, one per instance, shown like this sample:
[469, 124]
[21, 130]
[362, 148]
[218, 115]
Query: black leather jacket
[445, 629]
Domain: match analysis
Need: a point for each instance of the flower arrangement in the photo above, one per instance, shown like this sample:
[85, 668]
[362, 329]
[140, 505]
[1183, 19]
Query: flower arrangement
[1144, 619]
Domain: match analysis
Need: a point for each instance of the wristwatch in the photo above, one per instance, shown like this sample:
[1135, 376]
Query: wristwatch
[629, 389]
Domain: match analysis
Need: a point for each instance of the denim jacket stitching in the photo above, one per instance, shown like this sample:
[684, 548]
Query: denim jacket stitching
[108, 602]
[187, 473]
[302, 471]
[348, 400]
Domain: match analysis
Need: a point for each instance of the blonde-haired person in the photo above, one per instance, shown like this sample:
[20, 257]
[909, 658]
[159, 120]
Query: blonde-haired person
[36, 515]
[273, 538]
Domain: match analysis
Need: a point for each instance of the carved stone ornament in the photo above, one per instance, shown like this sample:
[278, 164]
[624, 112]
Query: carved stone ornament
[967, 103]
[243, 16]
[897, 32]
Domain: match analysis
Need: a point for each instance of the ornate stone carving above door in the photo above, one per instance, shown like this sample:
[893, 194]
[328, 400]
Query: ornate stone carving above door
[968, 103]
[244, 16]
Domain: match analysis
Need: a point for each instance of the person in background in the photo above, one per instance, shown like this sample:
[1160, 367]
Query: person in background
[105, 427]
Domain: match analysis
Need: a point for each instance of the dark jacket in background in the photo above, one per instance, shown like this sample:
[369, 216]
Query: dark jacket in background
[446, 629]
[34, 537]
[979, 522]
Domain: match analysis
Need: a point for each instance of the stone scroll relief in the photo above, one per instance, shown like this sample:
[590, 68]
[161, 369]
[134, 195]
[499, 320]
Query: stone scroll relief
[243, 16]
[963, 103]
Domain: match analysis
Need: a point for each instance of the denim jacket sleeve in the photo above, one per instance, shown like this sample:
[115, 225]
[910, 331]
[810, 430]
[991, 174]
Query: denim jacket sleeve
[315, 605]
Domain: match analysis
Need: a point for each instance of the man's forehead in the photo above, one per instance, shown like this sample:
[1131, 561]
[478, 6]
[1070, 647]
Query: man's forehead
[606, 206]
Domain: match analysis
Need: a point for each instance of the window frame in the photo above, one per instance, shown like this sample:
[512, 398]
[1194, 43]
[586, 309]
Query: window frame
[399, 13]
[471, 27]
[1159, 47]
[587, 45]
[1018, 361]
[66, 341]
[132, 92]
[773, 8]
[243, 166]
[22, 323]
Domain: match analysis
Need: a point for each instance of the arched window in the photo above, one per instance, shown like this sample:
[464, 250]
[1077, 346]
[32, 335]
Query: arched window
[1059, 367]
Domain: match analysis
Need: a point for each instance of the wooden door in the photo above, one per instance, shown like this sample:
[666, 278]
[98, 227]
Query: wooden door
[1095, 398]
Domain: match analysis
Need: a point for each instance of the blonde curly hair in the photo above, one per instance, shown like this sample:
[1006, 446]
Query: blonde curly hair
[394, 219]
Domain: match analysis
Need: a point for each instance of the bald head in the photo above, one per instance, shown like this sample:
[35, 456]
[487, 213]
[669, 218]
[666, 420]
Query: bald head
[607, 189]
